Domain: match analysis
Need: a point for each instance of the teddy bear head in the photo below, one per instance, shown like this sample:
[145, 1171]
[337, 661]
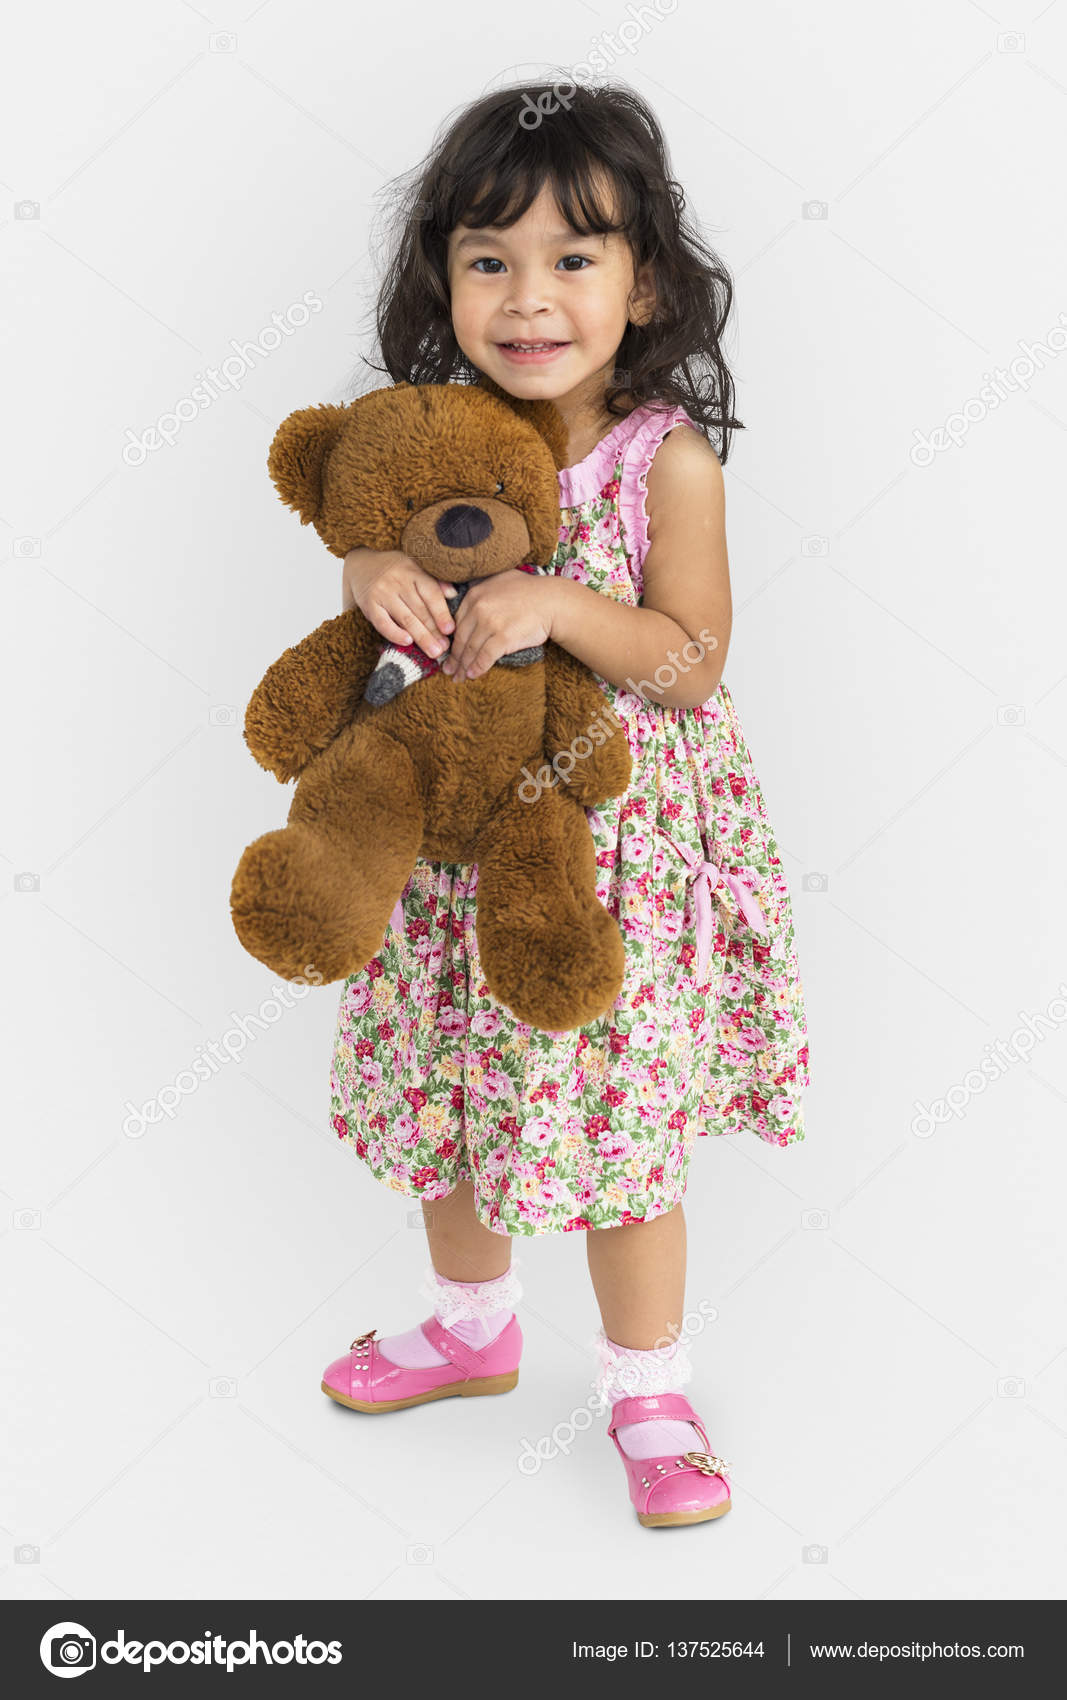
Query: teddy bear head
[462, 477]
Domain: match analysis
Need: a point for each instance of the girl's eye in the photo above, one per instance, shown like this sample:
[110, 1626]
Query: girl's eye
[491, 260]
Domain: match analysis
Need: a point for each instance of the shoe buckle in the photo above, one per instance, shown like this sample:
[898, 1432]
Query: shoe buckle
[707, 1463]
[361, 1340]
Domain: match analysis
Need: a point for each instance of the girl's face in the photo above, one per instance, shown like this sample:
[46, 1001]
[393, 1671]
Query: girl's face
[539, 283]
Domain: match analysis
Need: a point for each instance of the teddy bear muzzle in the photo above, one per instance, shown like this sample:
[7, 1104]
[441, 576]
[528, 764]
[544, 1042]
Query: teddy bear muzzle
[459, 539]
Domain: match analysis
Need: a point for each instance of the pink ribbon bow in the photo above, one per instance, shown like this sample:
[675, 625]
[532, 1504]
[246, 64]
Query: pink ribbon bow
[707, 878]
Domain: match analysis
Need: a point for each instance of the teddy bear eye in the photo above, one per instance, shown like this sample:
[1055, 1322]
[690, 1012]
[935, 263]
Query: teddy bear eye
[410, 504]
[498, 489]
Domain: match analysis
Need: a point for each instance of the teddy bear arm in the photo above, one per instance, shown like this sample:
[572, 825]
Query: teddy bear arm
[311, 693]
[576, 713]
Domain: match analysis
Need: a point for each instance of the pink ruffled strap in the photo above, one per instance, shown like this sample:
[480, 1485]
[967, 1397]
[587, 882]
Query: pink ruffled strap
[587, 477]
[639, 454]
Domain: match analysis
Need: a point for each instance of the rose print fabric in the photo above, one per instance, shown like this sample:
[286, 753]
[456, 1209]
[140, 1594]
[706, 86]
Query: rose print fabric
[433, 1081]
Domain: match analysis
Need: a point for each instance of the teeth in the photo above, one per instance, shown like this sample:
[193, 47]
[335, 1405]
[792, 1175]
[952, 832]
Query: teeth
[529, 347]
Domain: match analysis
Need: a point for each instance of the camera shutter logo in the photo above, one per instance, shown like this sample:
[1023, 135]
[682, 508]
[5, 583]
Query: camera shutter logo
[68, 1649]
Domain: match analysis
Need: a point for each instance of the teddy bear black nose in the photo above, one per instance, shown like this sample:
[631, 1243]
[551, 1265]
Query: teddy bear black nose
[462, 526]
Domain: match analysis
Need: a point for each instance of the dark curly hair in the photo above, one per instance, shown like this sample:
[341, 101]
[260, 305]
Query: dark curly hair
[486, 169]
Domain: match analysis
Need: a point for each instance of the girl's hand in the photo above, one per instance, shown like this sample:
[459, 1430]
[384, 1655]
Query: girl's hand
[402, 601]
[512, 610]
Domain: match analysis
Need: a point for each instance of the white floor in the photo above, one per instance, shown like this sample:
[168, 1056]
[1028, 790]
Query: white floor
[178, 1301]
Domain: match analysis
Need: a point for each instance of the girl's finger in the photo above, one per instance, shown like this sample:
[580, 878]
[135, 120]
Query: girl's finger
[465, 648]
[480, 660]
[425, 635]
[387, 627]
[453, 661]
[433, 610]
[436, 599]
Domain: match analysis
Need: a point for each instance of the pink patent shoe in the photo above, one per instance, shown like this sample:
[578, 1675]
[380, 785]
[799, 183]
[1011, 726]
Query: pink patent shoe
[684, 1487]
[365, 1380]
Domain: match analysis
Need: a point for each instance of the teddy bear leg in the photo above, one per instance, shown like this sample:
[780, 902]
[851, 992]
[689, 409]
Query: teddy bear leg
[550, 950]
[317, 894]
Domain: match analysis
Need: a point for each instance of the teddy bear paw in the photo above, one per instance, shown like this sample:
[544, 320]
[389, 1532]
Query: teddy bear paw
[299, 908]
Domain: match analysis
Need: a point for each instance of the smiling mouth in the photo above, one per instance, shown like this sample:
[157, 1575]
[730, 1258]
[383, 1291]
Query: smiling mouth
[531, 347]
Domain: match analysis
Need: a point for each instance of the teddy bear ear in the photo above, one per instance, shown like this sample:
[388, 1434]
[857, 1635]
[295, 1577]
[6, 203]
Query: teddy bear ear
[546, 420]
[298, 455]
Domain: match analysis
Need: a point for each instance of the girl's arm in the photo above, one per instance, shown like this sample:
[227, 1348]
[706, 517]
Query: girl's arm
[685, 605]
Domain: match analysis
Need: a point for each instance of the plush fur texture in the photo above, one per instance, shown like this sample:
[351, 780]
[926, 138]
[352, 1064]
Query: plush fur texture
[463, 478]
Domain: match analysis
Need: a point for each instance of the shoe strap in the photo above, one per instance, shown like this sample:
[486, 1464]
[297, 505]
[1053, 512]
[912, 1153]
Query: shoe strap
[654, 1407]
[454, 1349]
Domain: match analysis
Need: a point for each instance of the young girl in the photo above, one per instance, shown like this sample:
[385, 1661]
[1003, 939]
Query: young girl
[553, 259]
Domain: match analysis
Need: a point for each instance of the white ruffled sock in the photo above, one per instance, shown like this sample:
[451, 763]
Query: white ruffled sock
[474, 1311]
[626, 1372]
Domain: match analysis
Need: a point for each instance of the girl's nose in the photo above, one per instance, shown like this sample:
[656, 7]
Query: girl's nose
[526, 298]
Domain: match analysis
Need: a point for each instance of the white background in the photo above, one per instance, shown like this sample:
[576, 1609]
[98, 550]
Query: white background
[889, 1383]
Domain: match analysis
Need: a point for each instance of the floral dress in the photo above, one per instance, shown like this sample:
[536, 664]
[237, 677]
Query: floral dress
[433, 1081]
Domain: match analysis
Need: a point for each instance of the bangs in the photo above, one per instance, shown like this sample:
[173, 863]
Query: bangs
[493, 189]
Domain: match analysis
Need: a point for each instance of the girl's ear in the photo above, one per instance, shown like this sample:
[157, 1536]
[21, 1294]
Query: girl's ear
[298, 455]
[546, 420]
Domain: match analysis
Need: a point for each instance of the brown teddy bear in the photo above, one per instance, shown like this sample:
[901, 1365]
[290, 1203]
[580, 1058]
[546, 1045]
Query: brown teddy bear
[463, 479]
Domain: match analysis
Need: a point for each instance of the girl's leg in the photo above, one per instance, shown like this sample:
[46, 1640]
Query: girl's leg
[638, 1274]
[471, 1285]
[461, 1247]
